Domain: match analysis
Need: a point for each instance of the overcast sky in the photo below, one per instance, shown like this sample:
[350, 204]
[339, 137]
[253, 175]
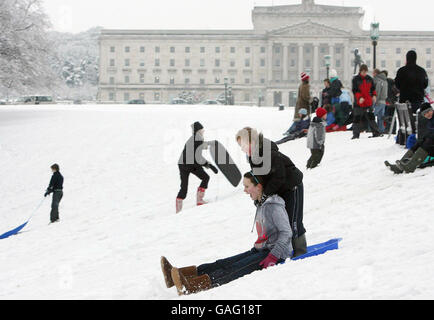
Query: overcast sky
[80, 15]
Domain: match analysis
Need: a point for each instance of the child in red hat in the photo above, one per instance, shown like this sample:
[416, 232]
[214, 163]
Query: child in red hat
[316, 138]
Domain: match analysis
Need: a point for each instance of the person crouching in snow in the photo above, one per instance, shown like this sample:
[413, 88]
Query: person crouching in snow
[316, 138]
[192, 161]
[421, 150]
[272, 247]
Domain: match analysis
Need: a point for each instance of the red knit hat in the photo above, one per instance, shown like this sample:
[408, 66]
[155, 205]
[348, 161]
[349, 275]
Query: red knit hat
[320, 112]
[304, 76]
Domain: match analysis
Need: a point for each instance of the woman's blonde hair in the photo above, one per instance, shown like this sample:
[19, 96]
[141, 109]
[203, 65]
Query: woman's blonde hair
[247, 134]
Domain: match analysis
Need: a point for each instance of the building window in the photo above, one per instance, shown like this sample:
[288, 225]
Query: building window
[247, 81]
[232, 49]
[112, 62]
[187, 49]
[262, 80]
[398, 63]
[202, 81]
[307, 50]
[112, 49]
[202, 49]
[247, 49]
[172, 62]
[187, 81]
[262, 62]
[232, 63]
[127, 79]
[338, 50]
[368, 63]
[247, 63]
[277, 63]
[157, 49]
[262, 49]
[292, 63]
[126, 96]
[383, 51]
[308, 64]
[202, 62]
[246, 96]
[398, 50]
[157, 80]
[383, 63]
[142, 78]
[157, 62]
[368, 50]
[187, 62]
[232, 80]
[292, 49]
[338, 63]
[156, 96]
[142, 49]
[172, 80]
[217, 80]
[277, 49]
[127, 49]
[127, 62]
[112, 96]
[322, 50]
[428, 50]
[112, 80]
[428, 64]
[217, 62]
[217, 49]
[142, 63]
[172, 49]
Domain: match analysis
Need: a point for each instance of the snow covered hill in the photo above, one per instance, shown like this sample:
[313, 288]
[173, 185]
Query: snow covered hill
[117, 215]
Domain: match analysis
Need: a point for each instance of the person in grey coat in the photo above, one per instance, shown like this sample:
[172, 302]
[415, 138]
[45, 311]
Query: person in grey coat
[273, 246]
[316, 138]
[381, 87]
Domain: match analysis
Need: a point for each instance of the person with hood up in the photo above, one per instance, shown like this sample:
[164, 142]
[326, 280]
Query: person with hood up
[364, 99]
[414, 157]
[281, 177]
[273, 246]
[303, 99]
[382, 89]
[411, 81]
[316, 138]
[192, 161]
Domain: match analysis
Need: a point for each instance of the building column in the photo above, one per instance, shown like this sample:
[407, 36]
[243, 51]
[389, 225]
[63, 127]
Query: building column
[300, 60]
[270, 62]
[316, 64]
[285, 62]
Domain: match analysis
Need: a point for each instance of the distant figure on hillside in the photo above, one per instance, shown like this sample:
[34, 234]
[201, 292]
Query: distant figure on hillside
[303, 99]
[316, 138]
[192, 161]
[56, 188]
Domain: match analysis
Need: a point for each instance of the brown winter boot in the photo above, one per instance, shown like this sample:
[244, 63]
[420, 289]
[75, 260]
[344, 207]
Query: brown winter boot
[166, 267]
[178, 205]
[200, 195]
[191, 285]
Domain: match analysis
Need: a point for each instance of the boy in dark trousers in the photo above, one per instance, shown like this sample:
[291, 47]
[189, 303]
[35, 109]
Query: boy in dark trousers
[192, 161]
[316, 138]
[56, 188]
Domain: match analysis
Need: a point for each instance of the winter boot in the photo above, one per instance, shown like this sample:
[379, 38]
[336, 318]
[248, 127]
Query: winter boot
[394, 168]
[178, 205]
[166, 267]
[191, 285]
[300, 246]
[200, 195]
[415, 161]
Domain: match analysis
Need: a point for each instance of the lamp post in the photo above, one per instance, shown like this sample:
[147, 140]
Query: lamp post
[375, 35]
[226, 91]
[327, 60]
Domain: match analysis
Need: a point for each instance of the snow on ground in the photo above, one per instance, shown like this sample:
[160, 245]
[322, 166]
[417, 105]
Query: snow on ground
[117, 215]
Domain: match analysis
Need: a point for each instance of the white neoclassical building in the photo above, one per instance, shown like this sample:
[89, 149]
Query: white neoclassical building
[157, 65]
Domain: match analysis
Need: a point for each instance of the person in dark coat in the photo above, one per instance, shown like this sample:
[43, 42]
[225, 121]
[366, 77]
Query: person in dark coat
[56, 188]
[298, 129]
[364, 99]
[281, 177]
[421, 150]
[316, 138]
[191, 161]
[325, 95]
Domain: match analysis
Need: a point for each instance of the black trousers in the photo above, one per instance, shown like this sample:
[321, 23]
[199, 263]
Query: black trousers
[426, 144]
[315, 158]
[362, 118]
[57, 197]
[294, 202]
[184, 172]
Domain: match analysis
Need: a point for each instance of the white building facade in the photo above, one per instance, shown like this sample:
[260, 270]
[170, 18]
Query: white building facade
[264, 63]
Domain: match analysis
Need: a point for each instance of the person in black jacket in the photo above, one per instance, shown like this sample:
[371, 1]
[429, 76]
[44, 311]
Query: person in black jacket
[412, 80]
[56, 188]
[281, 177]
[192, 161]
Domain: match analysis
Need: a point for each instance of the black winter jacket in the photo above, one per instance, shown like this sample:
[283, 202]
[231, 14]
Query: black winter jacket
[56, 182]
[284, 176]
[192, 153]
[411, 81]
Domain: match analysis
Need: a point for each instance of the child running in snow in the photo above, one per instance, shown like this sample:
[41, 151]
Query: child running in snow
[192, 161]
[272, 247]
[316, 138]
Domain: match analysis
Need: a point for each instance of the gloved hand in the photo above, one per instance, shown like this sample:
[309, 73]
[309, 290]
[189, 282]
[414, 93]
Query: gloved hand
[269, 261]
[46, 194]
[214, 169]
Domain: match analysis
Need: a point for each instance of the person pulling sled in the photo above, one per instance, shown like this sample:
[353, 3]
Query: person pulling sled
[56, 188]
[191, 161]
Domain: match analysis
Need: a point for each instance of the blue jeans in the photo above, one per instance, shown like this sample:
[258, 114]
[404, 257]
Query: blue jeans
[379, 111]
[229, 269]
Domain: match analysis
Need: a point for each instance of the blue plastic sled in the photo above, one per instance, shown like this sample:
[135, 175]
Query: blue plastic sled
[319, 249]
[13, 232]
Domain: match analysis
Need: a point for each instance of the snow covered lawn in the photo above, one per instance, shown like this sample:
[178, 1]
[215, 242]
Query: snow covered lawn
[117, 215]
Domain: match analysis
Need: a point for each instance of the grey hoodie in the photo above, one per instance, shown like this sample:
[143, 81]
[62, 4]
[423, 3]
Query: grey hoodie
[272, 225]
[381, 87]
[317, 134]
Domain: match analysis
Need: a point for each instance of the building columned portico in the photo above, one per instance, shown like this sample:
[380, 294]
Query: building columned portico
[266, 61]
